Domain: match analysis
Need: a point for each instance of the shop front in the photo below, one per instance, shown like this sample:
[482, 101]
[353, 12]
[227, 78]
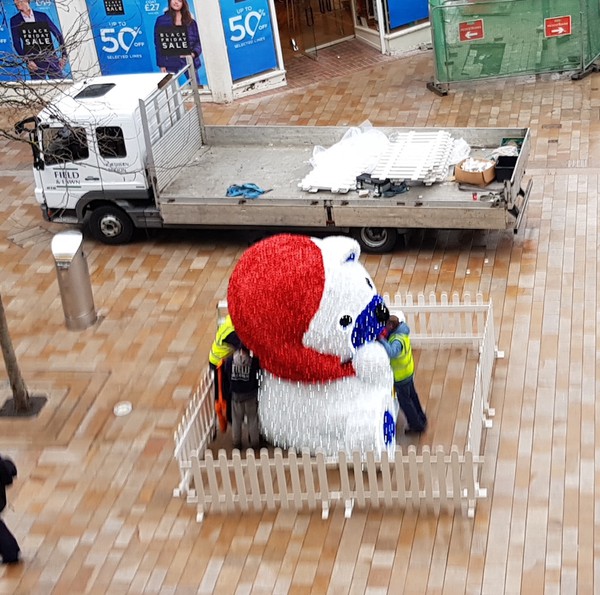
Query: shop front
[393, 26]
[233, 43]
[307, 26]
[239, 47]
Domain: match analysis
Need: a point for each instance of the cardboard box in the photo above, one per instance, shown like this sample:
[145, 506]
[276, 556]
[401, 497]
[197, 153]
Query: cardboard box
[475, 178]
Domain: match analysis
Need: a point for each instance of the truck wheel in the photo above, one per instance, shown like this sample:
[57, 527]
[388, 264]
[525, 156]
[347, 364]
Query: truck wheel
[111, 225]
[376, 239]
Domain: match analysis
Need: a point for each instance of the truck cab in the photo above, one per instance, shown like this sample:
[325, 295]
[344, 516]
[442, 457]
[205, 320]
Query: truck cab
[89, 155]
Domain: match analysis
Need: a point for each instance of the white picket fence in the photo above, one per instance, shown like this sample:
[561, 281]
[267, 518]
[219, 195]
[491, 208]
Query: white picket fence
[196, 429]
[434, 478]
[439, 480]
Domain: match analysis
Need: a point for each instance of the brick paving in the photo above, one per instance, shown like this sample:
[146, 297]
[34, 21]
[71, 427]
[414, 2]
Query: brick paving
[93, 507]
[334, 61]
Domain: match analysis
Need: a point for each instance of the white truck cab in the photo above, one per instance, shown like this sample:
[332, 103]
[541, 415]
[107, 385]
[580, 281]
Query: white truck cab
[90, 154]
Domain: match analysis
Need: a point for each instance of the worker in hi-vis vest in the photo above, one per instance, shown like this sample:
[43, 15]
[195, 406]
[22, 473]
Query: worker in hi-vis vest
[399, 350]
[225, 343]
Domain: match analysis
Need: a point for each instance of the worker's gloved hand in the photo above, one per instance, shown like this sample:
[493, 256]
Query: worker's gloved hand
[245, 190]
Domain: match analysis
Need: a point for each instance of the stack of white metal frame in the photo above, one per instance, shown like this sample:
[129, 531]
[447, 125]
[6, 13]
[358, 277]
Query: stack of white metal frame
[419, 156]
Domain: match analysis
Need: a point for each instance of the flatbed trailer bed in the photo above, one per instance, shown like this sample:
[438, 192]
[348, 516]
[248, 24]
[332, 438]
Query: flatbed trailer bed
[276, 158]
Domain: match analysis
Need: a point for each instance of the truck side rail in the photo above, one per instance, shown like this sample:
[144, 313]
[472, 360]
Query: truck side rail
[172, 131]
[514, 184]
[282, 135]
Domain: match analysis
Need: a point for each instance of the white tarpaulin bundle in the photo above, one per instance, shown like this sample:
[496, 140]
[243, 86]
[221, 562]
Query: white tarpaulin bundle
[336, 168]
[418, 156]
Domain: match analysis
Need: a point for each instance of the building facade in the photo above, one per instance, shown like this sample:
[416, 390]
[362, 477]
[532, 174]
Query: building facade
[239, 47]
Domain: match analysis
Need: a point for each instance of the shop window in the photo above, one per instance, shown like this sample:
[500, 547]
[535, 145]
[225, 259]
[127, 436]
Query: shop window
[111, 142]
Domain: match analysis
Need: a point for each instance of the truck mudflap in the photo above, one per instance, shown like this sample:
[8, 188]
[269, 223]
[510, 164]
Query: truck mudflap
[59, 215]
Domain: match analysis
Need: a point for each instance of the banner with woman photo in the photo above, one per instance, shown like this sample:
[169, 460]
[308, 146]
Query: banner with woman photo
[135, 36]
[32, 46]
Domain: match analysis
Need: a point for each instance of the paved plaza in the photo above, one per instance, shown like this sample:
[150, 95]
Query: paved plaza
[92, 506]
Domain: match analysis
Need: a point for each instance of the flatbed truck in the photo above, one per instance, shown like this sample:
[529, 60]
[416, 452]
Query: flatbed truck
[117, 153]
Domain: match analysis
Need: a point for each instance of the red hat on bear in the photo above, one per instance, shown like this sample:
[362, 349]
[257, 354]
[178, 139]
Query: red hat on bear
[274, 292]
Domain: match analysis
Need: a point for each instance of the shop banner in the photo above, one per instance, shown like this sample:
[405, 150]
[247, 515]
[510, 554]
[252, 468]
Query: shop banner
[403, 12]
[134, 36]
[249, 35]
[32, 46]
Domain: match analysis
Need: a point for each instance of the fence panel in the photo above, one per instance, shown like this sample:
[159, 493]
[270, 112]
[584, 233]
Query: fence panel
[195, 430]
[482, 39]
[436, 481]
[441, 323]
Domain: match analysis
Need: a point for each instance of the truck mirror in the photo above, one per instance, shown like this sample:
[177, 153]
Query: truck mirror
[23, 125]
[30, 126]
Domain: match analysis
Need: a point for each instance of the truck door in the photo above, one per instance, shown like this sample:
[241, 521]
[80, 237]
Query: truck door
[119, 159]
[70, 165]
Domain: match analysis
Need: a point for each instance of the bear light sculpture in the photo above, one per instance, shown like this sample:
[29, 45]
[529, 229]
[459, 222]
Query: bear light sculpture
[309, 310]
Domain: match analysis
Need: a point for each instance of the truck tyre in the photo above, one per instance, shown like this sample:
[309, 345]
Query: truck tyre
[376, 239]
[111, 225]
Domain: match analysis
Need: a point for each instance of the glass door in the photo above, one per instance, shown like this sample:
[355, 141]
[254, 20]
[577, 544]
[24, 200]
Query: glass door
[308, 25]
[306, 19]
[334, 22]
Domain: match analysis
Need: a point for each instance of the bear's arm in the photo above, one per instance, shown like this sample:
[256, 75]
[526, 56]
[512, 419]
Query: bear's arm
[372, 364]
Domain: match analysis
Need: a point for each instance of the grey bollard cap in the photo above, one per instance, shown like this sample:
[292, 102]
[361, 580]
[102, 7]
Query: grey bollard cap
[66, 244]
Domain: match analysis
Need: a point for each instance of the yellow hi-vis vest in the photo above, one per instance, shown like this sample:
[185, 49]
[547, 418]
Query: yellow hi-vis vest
[403, 366]
[221, 350]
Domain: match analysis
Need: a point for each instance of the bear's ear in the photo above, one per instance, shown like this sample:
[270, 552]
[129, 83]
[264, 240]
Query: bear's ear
[352, 257]
[338, 250]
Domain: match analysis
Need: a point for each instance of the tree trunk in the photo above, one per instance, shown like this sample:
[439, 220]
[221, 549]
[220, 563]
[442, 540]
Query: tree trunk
[17, 385]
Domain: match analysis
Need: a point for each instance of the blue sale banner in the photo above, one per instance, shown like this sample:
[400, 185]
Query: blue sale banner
[249, 35]
[32, 46]
[135, 36]
[403, 12]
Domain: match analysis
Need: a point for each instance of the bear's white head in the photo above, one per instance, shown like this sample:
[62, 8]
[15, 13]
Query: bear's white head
[304, 305]
[350, 313]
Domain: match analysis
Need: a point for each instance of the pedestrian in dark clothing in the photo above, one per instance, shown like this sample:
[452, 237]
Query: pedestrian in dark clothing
[244, 369]
[399, 351]
[9, 548]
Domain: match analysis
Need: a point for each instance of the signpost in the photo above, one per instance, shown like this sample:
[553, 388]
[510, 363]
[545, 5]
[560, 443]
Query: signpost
[557, 26]
[471, 30]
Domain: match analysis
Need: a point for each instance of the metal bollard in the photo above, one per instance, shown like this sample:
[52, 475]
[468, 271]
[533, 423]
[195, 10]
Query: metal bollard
[73, 280]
